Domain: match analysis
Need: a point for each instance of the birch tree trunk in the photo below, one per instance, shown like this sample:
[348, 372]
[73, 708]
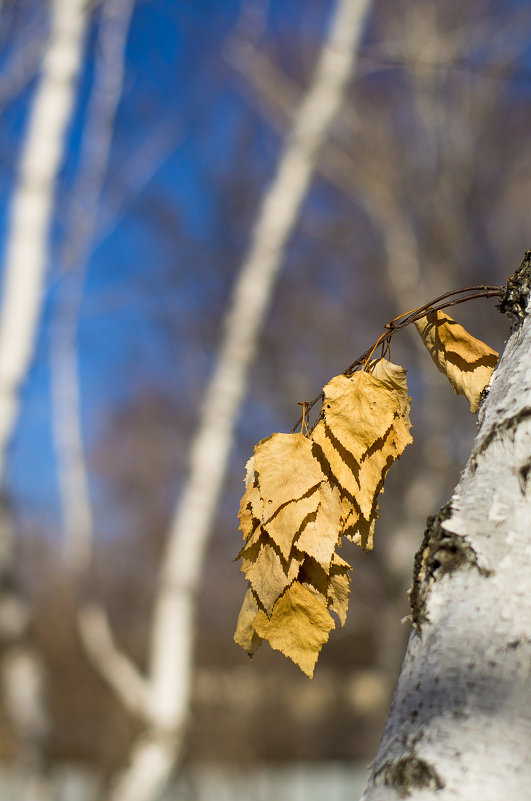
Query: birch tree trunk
[78, 524]
[460, 722]
[22, 292]
[169, 685]
[27, 241]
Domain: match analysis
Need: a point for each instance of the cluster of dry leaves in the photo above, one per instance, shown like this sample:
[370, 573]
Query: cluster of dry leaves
[305, 493]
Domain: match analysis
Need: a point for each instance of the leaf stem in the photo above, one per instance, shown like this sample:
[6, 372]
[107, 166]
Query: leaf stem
[439, 303]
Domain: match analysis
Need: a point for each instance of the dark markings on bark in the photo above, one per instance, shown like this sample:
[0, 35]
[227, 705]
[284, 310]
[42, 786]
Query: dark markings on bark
[498, 431]
[523, 475]
[517, 291]
[441, 552]
[409, 773]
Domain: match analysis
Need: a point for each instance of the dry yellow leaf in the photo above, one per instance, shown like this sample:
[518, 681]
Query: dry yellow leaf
[314, 577]
[338, 593]
[250, 513]
[394, 378]
[320, 535]
[358, 464]
[264, 569]
[358, 411]
[287, 469]
[250, 473]
[332, 588]
[339, 565]
[298, 627]
[467, 362]
[372, 473]
[304, 494]
[284, 526]
[358, 529]
[245, 636]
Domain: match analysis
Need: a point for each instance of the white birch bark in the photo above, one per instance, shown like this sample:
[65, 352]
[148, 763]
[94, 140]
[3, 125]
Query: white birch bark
[157, 751]
[95, 151]
[27, 240]
[78, 524]
[460, 722]
[23, 283]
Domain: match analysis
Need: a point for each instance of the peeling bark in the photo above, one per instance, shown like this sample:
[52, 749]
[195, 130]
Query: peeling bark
[460, 722]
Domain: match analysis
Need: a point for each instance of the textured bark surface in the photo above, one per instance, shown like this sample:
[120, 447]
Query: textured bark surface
[460, 722]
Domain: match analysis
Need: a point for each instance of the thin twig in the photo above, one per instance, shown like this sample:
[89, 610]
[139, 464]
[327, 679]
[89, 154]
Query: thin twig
[480, 291]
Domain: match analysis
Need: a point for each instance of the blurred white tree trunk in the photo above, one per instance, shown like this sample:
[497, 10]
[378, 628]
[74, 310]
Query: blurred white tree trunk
[168, 687]
[27, 239]
[95, 153]
[460, 722]
[22, 293]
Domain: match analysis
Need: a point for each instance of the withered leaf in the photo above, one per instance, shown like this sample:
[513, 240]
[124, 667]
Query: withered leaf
[250, 513]
[394, 378]
[339, 565]
[298, 627]
[338, 593]
[284, 526]
[360, 530]
[357, 412]
[245, 636]
[287, 469]
[250, 473]
[263, 568]
[363, 438]
[315, 578]
[302, 496]
[332, 588]
[467, 362]
[320, 535]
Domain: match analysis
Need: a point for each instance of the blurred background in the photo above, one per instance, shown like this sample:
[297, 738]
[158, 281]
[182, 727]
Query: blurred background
[140, 143]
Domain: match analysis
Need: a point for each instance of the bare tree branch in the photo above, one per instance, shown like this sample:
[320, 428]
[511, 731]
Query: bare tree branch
[109, 661]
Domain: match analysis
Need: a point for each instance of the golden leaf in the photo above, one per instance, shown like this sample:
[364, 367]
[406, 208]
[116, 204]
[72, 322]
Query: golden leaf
[250, 513]
[250, 473]
[359, 530]
[320, 535]
[263, 568]
[357, 412]
[338, 593]
[245, 636]
[343, 467]
[394, 378]
[287, 469]
[339, 565]
[467, 362]
[314, 577]
[363, 438]
[332, 588]
[286, 523]
[298, 627]
[304, 494]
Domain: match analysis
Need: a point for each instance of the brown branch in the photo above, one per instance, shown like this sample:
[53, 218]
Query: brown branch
[480, 291]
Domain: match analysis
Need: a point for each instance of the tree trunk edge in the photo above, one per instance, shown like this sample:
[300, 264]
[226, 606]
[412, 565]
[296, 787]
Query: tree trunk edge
[400, 771]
